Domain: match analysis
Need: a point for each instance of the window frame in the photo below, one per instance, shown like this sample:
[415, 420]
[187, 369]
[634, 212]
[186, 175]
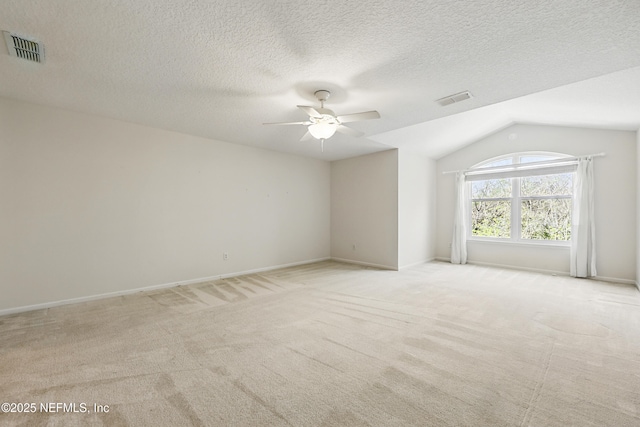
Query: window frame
[516, 200]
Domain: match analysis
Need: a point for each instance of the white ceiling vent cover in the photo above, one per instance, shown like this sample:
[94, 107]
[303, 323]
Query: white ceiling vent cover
[452, 99]
[24, 48]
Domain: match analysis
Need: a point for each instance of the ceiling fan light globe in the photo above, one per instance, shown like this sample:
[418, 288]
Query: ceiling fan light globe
[322, 130]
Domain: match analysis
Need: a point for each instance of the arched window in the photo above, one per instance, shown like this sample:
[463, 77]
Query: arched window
[527, 204]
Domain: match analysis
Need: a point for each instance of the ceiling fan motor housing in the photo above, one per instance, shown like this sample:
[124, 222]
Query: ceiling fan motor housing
[325, 112]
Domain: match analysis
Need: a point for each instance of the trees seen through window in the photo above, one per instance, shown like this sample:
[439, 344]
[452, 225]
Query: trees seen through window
[522, 208]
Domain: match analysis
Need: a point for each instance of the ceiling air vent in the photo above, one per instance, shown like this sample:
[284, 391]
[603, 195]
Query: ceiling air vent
[452, 99]
[24, 48]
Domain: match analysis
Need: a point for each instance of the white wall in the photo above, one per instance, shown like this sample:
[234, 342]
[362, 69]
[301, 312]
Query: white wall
[90, 206]
[615, 196]
[364, 209]
[416, 208]
[638, 209]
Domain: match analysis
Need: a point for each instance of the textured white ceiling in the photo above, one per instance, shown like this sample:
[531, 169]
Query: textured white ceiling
[220, 69]
[611, 101]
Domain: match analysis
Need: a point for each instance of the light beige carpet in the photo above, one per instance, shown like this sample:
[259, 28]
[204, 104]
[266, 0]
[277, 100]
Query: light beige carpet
[332, 344]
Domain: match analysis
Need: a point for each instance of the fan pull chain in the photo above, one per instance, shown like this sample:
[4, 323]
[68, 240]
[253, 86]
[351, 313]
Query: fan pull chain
[322, 144]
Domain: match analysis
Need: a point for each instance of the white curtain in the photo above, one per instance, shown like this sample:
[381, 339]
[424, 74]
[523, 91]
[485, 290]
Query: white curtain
[459, 241]
[583, 239]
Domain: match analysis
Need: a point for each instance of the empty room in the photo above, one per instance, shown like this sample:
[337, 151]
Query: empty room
[254, 213]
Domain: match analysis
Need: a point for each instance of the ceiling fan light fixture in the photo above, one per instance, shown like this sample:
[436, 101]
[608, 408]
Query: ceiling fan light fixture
[322, 130]
[323, 123]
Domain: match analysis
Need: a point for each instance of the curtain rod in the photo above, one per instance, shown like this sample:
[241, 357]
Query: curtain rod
[525, 165]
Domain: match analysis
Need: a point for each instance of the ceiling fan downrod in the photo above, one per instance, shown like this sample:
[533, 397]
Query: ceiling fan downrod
[322, 95]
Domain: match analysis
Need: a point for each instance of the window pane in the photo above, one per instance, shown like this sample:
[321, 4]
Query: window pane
[499, 162]
[491, 188]
[547, 185]
[546, 219]
[491, 219]
[535, 158]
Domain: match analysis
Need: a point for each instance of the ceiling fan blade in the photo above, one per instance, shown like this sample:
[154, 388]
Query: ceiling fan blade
[348, 131]
[288, 123]
[367, 115]
[306, 137]
[311, 112]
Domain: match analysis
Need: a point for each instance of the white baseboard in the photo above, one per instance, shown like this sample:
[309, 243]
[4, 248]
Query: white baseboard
[416, 263]
[540, 270]
[614, 280]
[58, 303]
[516, 267]
[52, 304]
[273, 267]
[509, 267]
[366, 264]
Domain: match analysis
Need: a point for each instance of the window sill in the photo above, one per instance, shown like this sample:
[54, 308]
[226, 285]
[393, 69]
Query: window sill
[526, 244]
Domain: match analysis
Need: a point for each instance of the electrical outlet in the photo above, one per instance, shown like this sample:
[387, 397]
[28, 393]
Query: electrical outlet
[225, 255]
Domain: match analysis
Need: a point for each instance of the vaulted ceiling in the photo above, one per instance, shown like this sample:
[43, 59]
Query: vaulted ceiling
[219, 69]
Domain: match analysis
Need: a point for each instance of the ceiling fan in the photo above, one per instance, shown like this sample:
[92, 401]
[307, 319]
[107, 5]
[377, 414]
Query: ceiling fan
[323, 122]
